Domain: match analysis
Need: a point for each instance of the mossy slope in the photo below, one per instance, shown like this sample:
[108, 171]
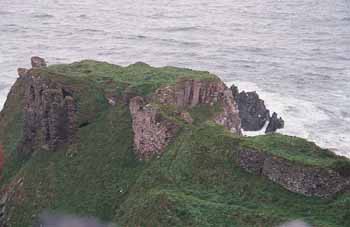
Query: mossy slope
[194, 183]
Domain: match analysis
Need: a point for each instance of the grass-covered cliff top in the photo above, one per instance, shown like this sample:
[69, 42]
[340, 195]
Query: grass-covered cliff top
[295, 149]
[140, 77]
[194, 183]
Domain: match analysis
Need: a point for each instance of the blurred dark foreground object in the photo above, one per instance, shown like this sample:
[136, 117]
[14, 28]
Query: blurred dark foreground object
[48, 219]
[296, 223]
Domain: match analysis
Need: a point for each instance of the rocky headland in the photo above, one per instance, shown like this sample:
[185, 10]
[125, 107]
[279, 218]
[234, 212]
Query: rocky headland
[145, 146]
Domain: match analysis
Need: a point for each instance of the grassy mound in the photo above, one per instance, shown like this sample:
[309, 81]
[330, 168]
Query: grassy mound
[194, 183]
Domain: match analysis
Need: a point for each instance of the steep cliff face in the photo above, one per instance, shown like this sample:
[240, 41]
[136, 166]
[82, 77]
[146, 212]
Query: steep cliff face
[200, 170]
[189, 93]
[49, 111]
[152, 132]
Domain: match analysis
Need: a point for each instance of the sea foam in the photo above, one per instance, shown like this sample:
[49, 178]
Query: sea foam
[302, 118]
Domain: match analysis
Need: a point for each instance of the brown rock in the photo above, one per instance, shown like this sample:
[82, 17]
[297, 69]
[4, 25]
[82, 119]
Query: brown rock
[307, 180]
[22, 72]
[229, 118]
[152, 132]
[186, 117]
[49, 114]
[38, 62]
[188, 93]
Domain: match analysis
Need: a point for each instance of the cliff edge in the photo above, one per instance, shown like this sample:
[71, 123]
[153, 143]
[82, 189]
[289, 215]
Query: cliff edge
[146, 146]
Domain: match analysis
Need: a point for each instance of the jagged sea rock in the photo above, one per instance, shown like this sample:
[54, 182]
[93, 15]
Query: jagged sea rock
[253, 112]
[275, 123]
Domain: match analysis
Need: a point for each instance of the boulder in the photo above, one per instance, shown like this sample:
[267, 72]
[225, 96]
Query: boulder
[38, 62]
[22, 72]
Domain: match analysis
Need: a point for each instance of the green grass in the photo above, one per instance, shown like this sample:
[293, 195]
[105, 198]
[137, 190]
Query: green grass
[139, 77]
[196, 182]
[297, 150]
[92, 178]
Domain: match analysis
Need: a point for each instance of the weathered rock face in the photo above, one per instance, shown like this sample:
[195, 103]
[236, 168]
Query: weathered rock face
[253, 112]
[309, 181]
[2, 159]
[274, 123]
[49, 113]
[152, 132]
[188, 93]
[229, 118]
[38, 62]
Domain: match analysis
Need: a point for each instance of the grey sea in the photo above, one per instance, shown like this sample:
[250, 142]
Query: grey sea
[295, 53]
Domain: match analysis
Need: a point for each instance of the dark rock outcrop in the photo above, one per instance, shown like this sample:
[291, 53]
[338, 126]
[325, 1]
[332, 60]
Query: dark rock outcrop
[275, 123]
[152, 132]
[307, 180]
[49, 112]
[253, 112]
